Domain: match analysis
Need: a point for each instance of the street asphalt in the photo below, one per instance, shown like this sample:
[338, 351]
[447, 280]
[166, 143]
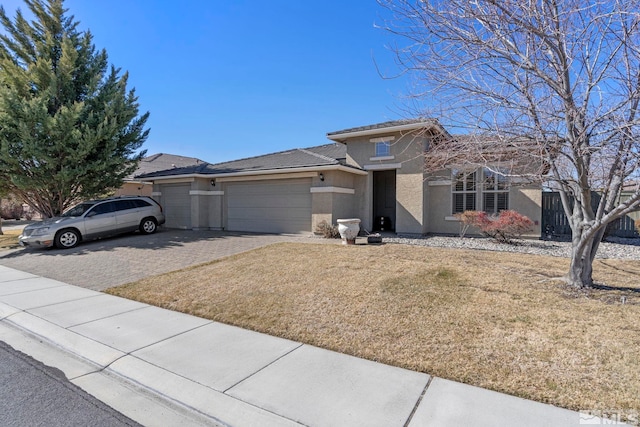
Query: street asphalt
[32, 394]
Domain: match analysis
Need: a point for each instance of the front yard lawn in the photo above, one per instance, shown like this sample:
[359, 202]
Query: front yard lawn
[9, 240]
[492, 319]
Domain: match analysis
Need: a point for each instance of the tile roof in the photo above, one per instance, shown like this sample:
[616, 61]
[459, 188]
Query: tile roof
[389, 124]
[328, 154]
[162, 161]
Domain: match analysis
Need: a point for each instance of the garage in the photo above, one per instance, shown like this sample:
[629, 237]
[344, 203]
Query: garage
[176, 202]
[276, 206]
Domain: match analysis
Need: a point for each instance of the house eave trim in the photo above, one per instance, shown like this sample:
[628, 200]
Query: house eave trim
[342, 137]
[383, 166]
[339, 190]
[341, 168]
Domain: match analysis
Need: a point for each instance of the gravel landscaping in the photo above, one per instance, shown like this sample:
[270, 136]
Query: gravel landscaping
[613, 248]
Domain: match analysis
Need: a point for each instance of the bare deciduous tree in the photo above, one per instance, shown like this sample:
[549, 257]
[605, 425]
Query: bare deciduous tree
[563, 75]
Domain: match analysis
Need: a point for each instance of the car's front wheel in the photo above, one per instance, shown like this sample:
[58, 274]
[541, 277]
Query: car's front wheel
[148, 226]
[67, 239]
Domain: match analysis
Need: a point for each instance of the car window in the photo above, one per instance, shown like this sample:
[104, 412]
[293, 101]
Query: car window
[141, 203]
[78, 210]
[103, 208]
[124, 204]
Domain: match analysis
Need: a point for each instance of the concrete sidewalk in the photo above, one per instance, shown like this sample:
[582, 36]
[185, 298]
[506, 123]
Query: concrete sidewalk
[161, 367]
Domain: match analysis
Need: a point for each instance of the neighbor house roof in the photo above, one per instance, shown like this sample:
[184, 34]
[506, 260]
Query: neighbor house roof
[162, 161]
[297, 158]
[387, 127]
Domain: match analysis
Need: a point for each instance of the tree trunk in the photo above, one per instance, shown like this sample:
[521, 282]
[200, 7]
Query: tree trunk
[580, 272]
[1, 232]
[583, 250]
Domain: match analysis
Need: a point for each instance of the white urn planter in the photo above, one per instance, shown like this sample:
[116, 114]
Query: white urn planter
[349, 229]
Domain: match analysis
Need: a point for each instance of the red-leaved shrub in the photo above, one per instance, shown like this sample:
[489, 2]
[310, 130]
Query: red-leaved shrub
[504, 227]
[467, 219]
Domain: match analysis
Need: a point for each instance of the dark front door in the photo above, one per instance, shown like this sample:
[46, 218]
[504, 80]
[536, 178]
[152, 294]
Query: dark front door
[384, 200]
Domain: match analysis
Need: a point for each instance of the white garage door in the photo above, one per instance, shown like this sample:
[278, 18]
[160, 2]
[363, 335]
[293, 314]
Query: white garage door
[279, 206]
[177, 205]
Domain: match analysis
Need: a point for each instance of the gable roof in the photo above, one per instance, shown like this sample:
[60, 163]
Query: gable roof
[323, 155]
[388, 127]
[162, 161]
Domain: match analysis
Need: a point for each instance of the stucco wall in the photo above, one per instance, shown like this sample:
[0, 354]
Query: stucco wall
[206, 205]
[331, 198]
[440, 206]
[409, 203]
[406, 159]
[526, 200]
[134, 189]
[404, 148]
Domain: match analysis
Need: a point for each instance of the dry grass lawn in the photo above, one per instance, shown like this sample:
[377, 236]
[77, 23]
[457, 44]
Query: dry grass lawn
[9, 239]
[496, 320]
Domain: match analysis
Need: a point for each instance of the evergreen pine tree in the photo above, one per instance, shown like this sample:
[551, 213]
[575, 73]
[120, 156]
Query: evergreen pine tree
[69, 128]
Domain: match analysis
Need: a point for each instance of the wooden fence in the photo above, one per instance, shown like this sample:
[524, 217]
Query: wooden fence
[555, 223]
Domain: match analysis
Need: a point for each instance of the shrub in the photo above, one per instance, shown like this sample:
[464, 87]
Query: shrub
[504, 227]
[10, 208]
[328, 231]
[467, 219]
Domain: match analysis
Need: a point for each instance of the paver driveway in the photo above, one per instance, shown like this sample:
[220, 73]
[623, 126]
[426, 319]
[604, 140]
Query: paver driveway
[101, 264]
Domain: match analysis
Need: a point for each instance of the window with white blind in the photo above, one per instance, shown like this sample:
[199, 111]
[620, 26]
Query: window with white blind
[495, 192]
[464, 190]
[484, 186]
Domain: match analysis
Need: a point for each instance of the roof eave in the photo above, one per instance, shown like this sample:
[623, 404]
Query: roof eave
[342, 168]
[430, 124]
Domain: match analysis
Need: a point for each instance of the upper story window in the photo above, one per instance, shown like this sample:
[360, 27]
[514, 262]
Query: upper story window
[383, 149]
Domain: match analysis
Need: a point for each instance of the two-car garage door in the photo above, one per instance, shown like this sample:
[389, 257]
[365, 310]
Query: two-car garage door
[278, 206]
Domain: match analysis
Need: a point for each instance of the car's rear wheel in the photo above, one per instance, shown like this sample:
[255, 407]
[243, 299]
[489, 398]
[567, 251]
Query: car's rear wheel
[67, 239]
[148, 226]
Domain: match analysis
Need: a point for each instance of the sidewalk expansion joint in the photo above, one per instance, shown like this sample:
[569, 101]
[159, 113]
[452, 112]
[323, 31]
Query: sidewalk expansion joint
[263, 368]
[415, 408]
[55, 303]
[140, 387]
[168, 338]
[32, 290]
[93, 320]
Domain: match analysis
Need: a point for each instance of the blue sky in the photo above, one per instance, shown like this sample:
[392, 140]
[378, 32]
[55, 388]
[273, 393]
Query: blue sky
[231, 79]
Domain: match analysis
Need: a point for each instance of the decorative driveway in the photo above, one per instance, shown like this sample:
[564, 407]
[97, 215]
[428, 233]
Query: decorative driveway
[101, 264]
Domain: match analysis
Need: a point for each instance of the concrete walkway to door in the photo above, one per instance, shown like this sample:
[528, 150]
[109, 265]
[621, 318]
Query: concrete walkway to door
[123, 259]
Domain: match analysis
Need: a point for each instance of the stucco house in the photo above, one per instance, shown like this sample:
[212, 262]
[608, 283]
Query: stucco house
[375, 173]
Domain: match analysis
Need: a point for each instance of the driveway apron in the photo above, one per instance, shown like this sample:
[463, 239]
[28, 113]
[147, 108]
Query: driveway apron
[105, 263]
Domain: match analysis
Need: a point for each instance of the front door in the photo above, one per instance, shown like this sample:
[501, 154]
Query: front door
[384, 200]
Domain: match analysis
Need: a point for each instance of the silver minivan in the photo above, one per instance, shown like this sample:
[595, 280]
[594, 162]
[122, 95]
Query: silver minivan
[94, 219]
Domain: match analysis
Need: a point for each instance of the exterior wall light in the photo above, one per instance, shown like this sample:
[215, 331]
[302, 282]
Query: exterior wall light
[321, 176]
[213, 182]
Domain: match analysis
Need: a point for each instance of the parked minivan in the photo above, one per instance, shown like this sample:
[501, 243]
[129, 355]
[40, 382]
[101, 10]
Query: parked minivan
[94, 219]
